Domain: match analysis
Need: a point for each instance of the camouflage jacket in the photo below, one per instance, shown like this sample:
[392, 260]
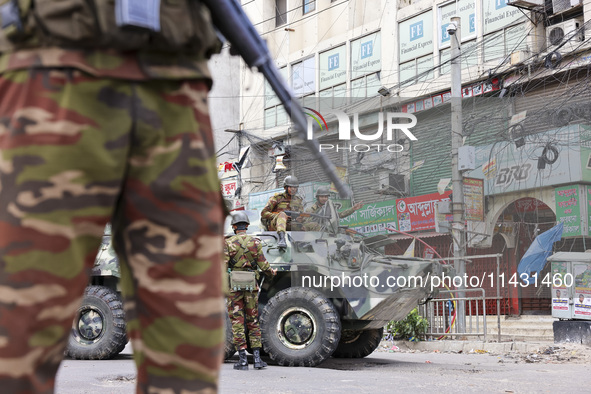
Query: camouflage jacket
[317, 207]
[281, 202]
[247, 253]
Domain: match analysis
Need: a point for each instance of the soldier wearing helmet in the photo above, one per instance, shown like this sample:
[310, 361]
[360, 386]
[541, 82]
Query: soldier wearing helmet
[322, 196]
[273, 215]
[244, 253]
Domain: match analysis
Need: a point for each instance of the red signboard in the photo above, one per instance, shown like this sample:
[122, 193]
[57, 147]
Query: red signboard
[418, 213]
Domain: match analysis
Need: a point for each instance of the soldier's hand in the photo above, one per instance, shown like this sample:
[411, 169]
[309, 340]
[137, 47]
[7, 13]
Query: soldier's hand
[358, 205]
[273, 271]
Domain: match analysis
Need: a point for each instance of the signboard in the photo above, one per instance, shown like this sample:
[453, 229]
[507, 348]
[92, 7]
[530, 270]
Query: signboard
[506, 168]
[569, 205]
[416, 37]
[498, 14]
[373, 219]
[229, 187]
[259, 200]
[333, 67]
[582, 299]
[466, 10]
[303, 76]
[418, 213]
[474, 199]
[366, 55]
[559, 293]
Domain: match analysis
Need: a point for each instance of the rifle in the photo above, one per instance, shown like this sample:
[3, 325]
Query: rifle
[229, 18]
[294, 214]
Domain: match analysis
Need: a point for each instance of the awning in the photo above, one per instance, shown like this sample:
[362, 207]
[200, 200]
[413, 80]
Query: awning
[429, 234]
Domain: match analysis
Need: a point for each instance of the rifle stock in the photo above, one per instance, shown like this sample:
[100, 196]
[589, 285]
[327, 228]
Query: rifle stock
[229, 18]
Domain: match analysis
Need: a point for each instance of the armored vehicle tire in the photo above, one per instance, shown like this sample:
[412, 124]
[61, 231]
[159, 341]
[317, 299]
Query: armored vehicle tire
[300, 327]
[229, 348]
[98, 330]
[358, 344]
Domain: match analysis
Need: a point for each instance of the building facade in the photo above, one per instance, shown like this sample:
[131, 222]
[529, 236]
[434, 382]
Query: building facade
[526, 112]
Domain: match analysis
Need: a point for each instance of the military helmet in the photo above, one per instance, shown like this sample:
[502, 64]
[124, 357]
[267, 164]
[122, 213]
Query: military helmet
[322, 191]
[240, 217]
[291, 180]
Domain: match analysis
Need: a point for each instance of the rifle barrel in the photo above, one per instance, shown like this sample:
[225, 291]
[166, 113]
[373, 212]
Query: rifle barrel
[230, 19]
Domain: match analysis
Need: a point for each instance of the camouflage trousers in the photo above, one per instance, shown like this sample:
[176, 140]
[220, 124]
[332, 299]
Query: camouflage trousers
[282, 222]
[75, 153]
[244, 306]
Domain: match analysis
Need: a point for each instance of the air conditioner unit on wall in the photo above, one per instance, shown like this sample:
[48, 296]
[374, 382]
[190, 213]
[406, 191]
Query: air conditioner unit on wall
[563, 5]
[569, 31]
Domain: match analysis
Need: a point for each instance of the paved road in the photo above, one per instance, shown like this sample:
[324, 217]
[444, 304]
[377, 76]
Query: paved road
[380, 372]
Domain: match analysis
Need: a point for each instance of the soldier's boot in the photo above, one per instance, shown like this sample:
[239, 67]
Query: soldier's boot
[258, 363]
[242, 363]
[281, 244]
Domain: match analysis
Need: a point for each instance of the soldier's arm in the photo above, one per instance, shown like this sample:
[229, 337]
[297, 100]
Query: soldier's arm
[347, 212]
[262, 261]
[226, 252]
[267, 212]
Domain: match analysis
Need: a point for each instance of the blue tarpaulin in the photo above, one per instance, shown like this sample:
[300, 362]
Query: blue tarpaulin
[534, 259]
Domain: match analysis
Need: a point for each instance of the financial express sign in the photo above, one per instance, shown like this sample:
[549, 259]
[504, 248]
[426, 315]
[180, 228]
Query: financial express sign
[392, 124]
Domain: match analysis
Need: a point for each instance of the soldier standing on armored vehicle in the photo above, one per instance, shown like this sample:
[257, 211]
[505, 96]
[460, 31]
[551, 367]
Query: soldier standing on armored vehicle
[273, 215]
[322, 195]
[243, 254]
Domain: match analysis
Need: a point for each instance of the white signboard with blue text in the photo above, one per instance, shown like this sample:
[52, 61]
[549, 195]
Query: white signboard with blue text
[466, 10]
[333, 67]
[303, 76]
[498, 14]
[416, 36]
[366, 55]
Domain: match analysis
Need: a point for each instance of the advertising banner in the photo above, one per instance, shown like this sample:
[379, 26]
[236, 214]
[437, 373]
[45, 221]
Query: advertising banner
[373, 219]
[569, 205]
[418, 213]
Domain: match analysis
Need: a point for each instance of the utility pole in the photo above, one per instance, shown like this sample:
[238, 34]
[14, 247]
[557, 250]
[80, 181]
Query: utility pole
[455, 33]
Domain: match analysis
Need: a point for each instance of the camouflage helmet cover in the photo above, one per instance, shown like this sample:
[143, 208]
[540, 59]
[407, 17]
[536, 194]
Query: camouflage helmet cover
[322, 191]
[240, 217]
[291, 180]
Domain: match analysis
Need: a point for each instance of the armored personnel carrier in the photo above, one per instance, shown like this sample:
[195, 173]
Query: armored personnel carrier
[334, 292]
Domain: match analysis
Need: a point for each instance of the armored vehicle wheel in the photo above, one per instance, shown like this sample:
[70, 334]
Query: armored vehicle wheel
[300, 327]
[229, 348]
[98, 330]
[358, 344]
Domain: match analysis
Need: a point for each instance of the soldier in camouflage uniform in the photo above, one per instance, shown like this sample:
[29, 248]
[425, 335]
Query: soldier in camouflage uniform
[273, 215]
[322, 195]
[245, 253]
[99, 127]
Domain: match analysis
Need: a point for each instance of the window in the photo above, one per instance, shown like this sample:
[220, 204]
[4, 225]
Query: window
[417, 70]
[280, 12]
[469, 57]
[365, 86]
[503, 43]
[309, 6]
